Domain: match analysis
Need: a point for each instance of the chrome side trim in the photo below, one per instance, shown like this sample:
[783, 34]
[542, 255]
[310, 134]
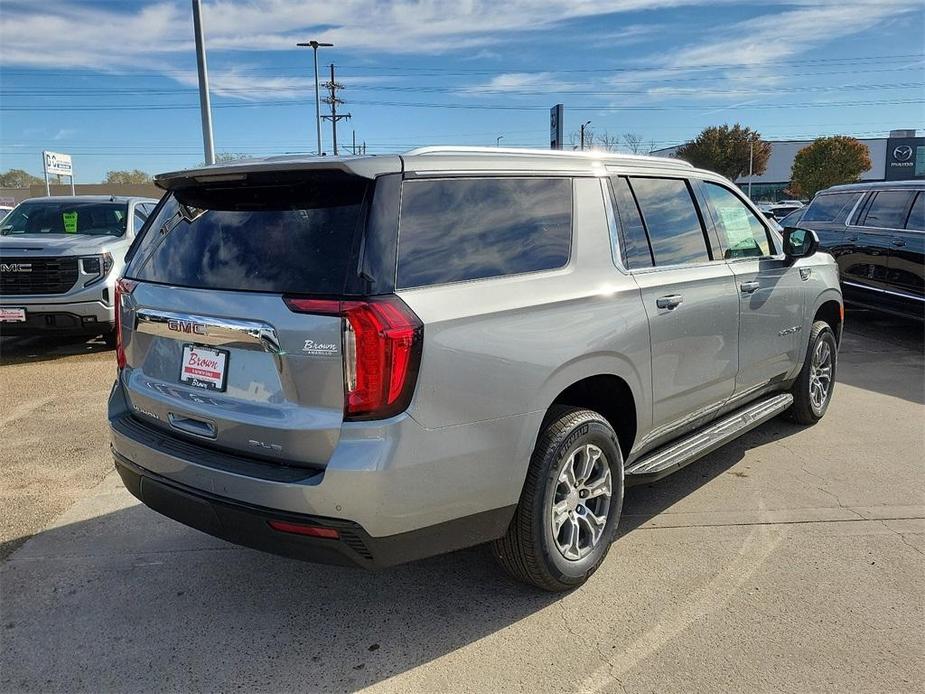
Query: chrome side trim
[883, 291]
[687, 450]
[208, 330]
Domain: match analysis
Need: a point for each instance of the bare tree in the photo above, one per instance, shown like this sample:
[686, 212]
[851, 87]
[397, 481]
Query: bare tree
[633, 142]
[607, 142]
[651, 146]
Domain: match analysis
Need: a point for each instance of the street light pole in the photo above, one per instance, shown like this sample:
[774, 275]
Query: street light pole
[751, 158]
[314, 46]
[583, 126]
[205, 105]
[498, 140]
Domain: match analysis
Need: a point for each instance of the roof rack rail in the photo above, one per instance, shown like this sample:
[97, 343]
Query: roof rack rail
[587, 154]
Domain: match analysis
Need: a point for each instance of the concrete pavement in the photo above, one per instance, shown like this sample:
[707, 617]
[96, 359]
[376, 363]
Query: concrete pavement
[790, 560]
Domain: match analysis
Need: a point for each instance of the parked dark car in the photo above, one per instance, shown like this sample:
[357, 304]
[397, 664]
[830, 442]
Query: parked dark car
[876, 231]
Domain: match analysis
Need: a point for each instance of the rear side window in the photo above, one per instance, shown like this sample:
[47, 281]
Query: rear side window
[742, 234]
[453, 230]
[917, 214]
[286, 233]
[828, 208]
[635, 246]
[674, 227]
[889, 209]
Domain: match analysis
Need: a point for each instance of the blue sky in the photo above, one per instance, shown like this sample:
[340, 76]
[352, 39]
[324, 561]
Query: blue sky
[114, 83]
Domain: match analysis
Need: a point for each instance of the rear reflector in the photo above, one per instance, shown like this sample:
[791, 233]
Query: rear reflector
[382, 341]
[299, 529]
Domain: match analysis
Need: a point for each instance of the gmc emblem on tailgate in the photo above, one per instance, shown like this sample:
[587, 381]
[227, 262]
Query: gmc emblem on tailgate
[186, 326]
[15, 267]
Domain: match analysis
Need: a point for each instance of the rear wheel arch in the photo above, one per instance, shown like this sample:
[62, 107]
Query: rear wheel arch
[610, 396]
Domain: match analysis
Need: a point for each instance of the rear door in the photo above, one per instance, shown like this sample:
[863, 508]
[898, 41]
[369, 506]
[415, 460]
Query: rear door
[907, 263]
[212, 350]
[769, 290]
[689, 297]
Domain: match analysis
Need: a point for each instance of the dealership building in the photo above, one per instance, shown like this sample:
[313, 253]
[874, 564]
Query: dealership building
[899, 157]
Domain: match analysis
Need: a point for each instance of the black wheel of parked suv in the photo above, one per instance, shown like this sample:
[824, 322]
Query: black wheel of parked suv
[812, 391]
[570, 505]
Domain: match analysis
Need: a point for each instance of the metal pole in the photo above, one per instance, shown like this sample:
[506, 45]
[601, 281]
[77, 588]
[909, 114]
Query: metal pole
[582, 137]
[751, 157]
[354, 150]
[45, 169]
[498, 140]
[317, 98]
[205, 106]
[72, 181]
[334, 109]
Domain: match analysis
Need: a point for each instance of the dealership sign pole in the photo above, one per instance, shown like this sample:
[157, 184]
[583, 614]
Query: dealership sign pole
[556, 126]
[60, 165]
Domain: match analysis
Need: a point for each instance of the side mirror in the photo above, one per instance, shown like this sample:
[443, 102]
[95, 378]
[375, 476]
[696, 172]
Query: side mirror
[799, 243]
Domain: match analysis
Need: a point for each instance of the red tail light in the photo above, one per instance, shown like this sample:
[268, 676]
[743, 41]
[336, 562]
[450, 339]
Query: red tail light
[301, 529]
[382, 352]
[123, 286]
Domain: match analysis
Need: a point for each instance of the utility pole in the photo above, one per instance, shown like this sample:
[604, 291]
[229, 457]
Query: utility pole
[751, 158]
[333, 101]
[205, 105]
[314, 46]
[583, 126]
[354, 148]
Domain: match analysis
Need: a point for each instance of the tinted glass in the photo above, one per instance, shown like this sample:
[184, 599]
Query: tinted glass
[829, 207]
[742, 234]
[84, 218]
[140, 216]
[917, 215]
[793, 219]
[295, 233]
[635, 245]
[465, 229]
[888, 209]
[671, 219]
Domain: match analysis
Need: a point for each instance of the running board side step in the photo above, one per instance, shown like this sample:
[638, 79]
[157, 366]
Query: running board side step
[676, 455]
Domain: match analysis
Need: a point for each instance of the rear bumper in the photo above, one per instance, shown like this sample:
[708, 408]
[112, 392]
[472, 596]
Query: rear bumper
[249, 526]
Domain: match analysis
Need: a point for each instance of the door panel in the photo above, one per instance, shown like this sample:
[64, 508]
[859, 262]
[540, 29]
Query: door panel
[694, 344]
[770, 319]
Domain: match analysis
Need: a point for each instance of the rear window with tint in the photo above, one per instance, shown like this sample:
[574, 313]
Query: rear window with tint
[453, 230]
[828, 208]
[287, 233]
[674, 227]
[889, 209]
[71, 217]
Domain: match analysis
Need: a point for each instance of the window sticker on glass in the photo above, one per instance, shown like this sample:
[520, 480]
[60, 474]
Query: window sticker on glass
[737, 227]
[70, 222]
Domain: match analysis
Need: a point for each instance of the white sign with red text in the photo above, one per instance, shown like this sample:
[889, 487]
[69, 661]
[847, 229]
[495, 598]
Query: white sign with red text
[203, 367]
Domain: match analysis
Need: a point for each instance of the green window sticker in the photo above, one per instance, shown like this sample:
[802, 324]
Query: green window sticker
[70, 222]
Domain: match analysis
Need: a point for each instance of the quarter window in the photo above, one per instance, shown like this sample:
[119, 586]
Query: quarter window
[674, 227]
[743, 236]
[889, 209]
[453, 230]
[635, 246]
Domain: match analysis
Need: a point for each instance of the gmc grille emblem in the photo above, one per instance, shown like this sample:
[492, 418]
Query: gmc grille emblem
[186, 326]
[15, 267]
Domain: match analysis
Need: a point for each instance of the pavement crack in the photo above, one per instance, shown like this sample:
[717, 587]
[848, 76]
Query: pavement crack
[803, 462]
[902, 537]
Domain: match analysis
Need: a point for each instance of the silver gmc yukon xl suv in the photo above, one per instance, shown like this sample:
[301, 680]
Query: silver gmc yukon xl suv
[59, 261]
[371, 360]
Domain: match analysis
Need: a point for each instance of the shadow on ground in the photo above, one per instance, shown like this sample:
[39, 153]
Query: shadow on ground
[20, 350]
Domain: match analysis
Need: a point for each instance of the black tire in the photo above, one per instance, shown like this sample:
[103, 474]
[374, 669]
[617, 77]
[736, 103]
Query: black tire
[804, 410]
[528, 551]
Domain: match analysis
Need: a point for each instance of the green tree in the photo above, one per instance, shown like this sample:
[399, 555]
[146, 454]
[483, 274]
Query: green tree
[725, 150]
[134, 176]
[828, 161]
[17, 178]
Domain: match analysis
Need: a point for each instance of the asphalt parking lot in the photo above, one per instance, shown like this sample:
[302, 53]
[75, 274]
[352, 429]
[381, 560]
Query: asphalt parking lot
[790, 560]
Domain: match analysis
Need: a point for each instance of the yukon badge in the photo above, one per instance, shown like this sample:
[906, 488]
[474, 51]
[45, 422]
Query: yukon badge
[319, 349]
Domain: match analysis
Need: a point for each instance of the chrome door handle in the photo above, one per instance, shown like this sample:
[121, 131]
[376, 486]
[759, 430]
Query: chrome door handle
[669, 302]
[750, 287]
[899, 243]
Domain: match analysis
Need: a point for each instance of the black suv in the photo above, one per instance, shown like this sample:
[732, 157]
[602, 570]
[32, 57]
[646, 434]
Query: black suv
[876, 231]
